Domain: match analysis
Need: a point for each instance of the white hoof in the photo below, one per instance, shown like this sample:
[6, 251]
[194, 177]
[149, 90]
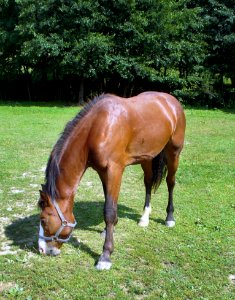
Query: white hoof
[103, 265]
[170, 223]
[143, 223]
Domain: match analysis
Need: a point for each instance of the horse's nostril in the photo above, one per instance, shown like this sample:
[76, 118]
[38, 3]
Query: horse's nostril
[41, 250]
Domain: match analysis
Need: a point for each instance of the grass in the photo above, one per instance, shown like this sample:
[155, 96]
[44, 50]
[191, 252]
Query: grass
[190, 261]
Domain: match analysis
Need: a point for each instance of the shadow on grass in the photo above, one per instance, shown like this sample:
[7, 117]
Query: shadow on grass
[24, 232]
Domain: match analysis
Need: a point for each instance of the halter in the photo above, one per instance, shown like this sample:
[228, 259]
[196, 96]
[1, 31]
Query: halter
[64, 223]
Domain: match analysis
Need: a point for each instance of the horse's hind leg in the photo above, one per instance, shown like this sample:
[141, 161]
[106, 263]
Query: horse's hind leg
[172, 160]
[148, 174]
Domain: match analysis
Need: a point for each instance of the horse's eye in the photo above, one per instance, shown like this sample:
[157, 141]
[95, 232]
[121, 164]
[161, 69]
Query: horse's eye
[43, 222]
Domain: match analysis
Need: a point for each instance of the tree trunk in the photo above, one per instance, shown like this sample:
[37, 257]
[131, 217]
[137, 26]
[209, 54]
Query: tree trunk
[81, 92]
[28, 91]
[132, 88]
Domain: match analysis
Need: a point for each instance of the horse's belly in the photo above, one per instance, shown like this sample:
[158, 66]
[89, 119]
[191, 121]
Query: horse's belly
[147, 143]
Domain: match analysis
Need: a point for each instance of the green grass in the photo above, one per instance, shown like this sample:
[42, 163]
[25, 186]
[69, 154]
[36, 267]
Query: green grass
[190, 261]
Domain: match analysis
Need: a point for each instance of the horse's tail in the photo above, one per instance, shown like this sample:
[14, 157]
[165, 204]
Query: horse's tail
[159, 170]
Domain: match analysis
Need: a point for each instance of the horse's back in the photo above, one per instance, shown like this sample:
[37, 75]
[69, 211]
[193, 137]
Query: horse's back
[166, 104]
[130, 130]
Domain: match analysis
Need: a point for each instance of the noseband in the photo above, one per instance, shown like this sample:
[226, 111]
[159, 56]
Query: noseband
[64, 223]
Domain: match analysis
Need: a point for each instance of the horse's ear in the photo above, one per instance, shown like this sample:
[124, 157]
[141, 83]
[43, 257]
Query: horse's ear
[44, 200]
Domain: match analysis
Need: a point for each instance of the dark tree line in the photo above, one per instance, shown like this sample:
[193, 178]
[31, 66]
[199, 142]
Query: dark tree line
[73, 49]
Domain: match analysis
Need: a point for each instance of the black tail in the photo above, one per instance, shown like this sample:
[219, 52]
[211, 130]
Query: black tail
[159, 170]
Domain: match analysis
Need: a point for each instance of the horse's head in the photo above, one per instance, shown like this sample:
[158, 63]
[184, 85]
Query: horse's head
[54, 227]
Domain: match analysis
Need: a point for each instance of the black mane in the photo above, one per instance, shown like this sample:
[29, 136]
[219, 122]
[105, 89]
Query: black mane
[53, 165]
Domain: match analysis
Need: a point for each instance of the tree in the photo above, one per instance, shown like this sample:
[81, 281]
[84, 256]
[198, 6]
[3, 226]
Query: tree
[220, 18]
[62, 37]
[9, 40]
[185, 47]
[219, 30]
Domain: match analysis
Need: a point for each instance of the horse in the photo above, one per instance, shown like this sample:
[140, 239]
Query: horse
[108, 134]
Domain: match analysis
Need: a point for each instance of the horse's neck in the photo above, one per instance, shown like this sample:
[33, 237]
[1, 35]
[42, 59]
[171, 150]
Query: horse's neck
[73, 163]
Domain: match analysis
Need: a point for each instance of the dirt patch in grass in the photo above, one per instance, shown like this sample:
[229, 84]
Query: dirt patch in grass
[6, 286]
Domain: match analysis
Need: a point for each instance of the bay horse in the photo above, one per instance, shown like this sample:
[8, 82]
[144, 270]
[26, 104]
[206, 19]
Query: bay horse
[108, 134]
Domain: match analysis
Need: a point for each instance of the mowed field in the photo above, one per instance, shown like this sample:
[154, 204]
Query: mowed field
[193, 260]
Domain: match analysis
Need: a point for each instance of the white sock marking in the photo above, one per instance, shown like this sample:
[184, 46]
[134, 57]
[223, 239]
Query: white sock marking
[170, 223]
[103, 265]
[144, 221]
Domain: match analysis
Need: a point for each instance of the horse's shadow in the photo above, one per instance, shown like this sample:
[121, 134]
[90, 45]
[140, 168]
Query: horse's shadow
[24, 232]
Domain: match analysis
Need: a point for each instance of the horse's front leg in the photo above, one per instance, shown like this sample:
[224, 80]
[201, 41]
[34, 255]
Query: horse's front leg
[110, 217]
[111, 183]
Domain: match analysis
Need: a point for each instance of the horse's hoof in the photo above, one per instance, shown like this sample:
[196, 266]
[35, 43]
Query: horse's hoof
[143, 223]
[170, 223]
[103, 265]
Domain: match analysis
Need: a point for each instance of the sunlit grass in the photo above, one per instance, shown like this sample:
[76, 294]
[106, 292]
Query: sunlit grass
[191, 261]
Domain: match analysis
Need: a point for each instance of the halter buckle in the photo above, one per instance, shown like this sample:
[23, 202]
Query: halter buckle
[64, 223]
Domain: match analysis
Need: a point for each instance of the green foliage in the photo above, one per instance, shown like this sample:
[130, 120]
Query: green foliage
[9, 40]
[219, 19]
[134, 45]
[221, 38]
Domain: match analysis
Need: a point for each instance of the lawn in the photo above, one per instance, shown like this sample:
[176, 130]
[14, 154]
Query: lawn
[193, 260]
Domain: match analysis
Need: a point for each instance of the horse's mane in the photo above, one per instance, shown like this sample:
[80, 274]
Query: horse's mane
[53, 165]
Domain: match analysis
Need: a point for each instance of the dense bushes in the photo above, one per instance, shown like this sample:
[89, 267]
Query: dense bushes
[73, 49]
